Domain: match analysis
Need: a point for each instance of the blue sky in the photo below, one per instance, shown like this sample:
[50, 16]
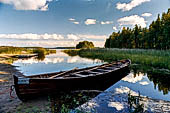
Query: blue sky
[52, 23]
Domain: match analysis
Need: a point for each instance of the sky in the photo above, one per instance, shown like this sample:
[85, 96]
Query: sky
[64, 23]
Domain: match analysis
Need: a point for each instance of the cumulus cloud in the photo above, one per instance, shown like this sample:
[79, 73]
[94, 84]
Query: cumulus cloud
[90, 21]
[45, 43]
[132, 20]
[86, 37]
[39, 43]
[131, 5]
[146, 14]
[114, 28]
[30, 36]
[49, 40]
[106, 22]
[98, 37]
[73, 37]
[41, 5]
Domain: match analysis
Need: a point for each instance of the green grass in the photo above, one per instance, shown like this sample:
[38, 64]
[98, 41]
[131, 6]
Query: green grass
[41, 52]
[24, 50]
[153, 58]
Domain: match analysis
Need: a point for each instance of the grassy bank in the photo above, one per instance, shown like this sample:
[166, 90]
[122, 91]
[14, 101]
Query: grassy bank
[153, 58]
[24, 50]
[8, 53]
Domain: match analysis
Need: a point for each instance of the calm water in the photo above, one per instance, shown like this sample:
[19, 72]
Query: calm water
[53, 63]
[149, 84]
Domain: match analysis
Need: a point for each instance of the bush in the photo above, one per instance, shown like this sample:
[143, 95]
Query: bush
[85, 45]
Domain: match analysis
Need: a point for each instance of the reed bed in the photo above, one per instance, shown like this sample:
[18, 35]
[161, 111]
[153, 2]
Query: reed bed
[154, 58]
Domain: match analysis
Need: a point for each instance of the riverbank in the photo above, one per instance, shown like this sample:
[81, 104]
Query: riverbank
[40, 104]
[11, 104]
[153, 63]
[151, 58]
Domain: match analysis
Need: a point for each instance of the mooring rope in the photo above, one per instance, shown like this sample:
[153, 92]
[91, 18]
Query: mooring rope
[9, 90]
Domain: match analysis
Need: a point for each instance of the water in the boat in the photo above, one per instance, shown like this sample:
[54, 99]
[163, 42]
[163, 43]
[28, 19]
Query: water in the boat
[151, 84]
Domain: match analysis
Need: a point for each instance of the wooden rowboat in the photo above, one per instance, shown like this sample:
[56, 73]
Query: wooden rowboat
[91, 78]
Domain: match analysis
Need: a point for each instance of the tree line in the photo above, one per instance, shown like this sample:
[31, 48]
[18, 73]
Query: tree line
[157, 36]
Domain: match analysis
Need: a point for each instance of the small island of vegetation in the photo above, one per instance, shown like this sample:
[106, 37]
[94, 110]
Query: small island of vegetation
[85, 45]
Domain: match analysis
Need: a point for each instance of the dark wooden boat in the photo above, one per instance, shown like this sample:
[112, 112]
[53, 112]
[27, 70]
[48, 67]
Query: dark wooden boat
[91, 78]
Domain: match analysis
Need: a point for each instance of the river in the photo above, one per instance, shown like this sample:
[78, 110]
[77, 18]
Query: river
[148, 84]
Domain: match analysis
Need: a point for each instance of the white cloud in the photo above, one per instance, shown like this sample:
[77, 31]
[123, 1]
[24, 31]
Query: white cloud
[73, 37]
[30, 36]
[114, 28]
[132, 20]
[44, 8]
[146, 14]
[49, 40]
[131, 5]
[76, 22]
[71, 19]
[39, 43]
[90, 21]
[106, 22]
[46, 43]
[28, 4]
[93, 36]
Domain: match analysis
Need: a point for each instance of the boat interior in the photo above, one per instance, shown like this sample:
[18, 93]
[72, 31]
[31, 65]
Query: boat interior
[90, 71]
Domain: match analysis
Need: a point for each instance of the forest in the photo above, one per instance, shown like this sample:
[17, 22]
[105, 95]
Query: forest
[157, 36]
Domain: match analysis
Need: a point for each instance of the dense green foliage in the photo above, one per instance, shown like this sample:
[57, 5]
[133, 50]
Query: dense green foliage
[157, 36]
[84, 44]
[71, 52]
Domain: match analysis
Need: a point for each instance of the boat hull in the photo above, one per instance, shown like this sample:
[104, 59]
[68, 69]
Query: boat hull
[37, 87]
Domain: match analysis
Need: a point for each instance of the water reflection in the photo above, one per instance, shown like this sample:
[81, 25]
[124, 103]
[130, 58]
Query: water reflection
[53, 63]
[45, 61]
[149, 81]
[40, 57]
[133, 78]
[161, 81]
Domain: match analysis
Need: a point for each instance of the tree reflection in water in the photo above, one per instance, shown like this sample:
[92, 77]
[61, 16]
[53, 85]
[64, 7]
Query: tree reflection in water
[40, 57]
[160, 78]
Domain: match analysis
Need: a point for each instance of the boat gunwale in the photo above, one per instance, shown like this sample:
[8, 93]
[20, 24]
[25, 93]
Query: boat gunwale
[78, 77]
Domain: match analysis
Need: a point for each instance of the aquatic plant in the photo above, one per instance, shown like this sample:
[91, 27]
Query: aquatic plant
[149, 57]
[134, 104]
